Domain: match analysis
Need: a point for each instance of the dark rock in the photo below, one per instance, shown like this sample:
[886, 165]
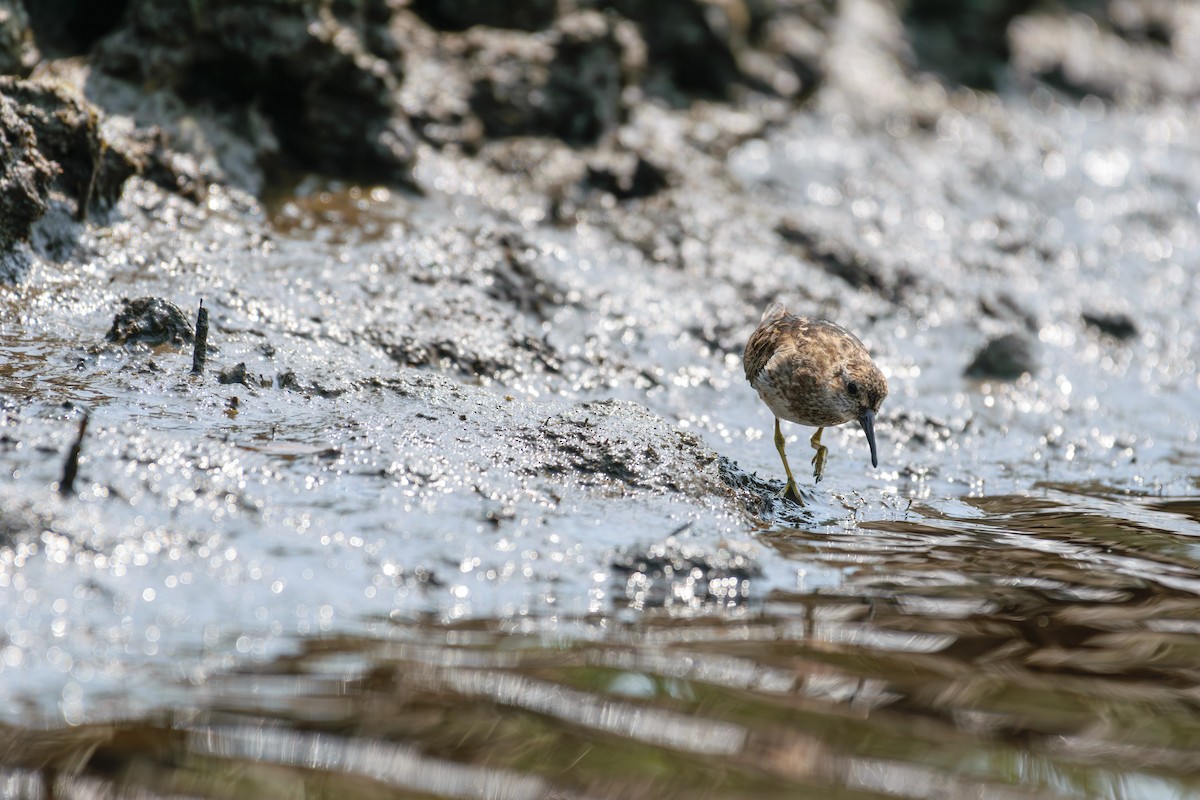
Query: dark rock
[690, 46]
[325, 77]
[71, 27]
[761, 498]
[458, 15]
[1117, 325]
[152, 321]
[566, 82]
[697, 49]
[93, 169]
[626, 176]
[25, 177]
[1005, 358]
[18, 53]
[963, 42]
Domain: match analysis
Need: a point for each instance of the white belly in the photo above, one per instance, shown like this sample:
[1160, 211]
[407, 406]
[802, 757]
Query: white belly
[774, 400]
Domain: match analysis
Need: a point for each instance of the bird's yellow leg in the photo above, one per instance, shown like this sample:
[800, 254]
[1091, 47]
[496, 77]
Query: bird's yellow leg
[819, 459]
[791, 492]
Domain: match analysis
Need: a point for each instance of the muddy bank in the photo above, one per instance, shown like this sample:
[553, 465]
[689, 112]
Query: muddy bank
[478, 282]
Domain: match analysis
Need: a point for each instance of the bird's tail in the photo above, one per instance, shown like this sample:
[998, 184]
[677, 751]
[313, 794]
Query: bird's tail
[774, 311]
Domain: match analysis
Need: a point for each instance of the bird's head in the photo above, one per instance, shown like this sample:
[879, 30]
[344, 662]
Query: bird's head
[863, 389]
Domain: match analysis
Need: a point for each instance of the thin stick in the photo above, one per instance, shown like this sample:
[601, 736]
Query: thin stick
[66, 486]
[200, 352]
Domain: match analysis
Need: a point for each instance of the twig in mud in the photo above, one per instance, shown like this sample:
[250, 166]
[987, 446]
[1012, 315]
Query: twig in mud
[97, 146]
[200, 351]
[66, 486]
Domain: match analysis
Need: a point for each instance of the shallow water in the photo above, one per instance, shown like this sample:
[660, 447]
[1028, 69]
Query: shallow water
[458, 537]
[1011, 647]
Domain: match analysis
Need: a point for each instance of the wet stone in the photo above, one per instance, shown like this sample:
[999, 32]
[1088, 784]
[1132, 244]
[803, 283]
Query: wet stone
[1007, 358]
[151, 321]
[761, 498]
[1117, 325]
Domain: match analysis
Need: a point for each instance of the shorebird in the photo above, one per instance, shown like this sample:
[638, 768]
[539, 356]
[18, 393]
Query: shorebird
[812, 372]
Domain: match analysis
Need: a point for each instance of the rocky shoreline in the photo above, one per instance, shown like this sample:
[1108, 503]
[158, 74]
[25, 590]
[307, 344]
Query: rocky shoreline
[202, 93]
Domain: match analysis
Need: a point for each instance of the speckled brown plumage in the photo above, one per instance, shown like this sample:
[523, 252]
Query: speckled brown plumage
[813, 372]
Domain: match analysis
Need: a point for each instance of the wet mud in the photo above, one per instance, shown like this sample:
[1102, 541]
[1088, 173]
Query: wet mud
[470, 497]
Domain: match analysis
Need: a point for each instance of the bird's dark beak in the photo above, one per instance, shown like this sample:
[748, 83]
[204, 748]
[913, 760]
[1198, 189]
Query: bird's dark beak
[867, 420]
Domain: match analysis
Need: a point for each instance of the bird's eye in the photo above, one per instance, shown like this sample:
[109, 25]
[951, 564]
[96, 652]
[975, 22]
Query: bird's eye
[852, 388]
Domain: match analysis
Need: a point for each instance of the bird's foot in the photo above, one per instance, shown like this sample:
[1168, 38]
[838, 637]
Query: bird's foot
[792, 492]
[819, 459]
[818, 462]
